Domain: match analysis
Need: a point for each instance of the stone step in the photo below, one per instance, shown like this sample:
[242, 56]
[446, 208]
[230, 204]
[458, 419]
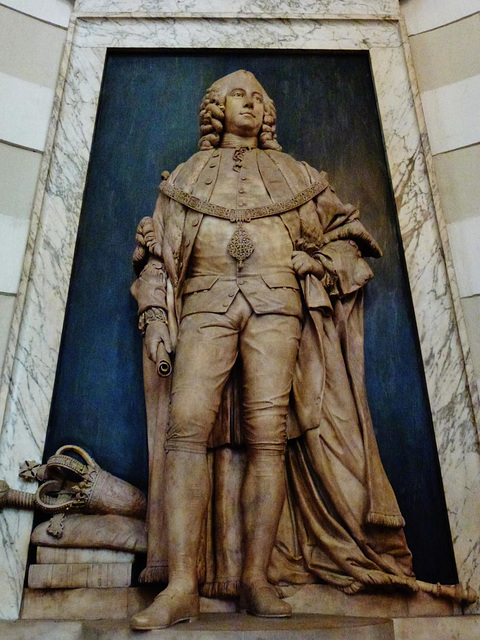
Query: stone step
[243, 627]
[216, 626]
[94, 604]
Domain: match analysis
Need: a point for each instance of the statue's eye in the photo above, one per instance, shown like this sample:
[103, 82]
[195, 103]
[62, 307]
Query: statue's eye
[238, 93]
[258, 99]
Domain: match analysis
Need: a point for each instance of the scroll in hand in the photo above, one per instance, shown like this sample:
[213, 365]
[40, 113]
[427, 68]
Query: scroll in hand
[163, 362]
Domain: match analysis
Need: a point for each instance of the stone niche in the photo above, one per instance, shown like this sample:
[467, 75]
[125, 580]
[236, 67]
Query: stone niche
[103, 34]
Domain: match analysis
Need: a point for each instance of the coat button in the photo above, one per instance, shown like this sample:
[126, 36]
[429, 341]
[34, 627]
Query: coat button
[243, 177]
[213, 165]
[226, 303]
[241, 281]
[195, 223]
[208, 181]
[241, 191]
[215, 154]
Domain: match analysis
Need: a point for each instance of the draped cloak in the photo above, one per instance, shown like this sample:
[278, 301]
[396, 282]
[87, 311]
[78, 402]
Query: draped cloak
[341, 523]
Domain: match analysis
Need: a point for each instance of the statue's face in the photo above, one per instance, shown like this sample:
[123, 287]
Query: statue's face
[244, 107]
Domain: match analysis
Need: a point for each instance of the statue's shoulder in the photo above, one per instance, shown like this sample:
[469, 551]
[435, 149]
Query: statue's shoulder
[302, 170]
[182, 175]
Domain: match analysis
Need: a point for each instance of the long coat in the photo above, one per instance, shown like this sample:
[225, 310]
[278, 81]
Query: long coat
[341, 523]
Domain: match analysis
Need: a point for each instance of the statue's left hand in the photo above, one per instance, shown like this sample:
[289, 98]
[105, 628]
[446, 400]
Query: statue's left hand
[303, 263]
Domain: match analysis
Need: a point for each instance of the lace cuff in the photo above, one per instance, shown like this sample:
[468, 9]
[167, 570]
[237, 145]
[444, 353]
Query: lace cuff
[151, 315]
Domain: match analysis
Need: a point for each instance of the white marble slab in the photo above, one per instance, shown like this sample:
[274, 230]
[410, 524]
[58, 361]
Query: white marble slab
[423, 15]
[6, 313]
[465, 243]
[33, 350]
[25, 110]
[451, 113]
[54, 11]
[19, 167]
[471, 312]
[13, 240]
[238, 33]
[232, 7]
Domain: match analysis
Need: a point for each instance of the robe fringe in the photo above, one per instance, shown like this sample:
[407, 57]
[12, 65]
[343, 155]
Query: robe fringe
[384, 520]
[227, 589]
[154, 573]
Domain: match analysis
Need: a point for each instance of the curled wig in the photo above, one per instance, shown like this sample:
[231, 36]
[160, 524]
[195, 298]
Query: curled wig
[212, 116]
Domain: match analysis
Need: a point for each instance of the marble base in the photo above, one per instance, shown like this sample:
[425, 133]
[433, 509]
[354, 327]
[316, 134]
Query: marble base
[459, 628]
[227, 626]
[117, 604]
[99, 604]
[220, 627]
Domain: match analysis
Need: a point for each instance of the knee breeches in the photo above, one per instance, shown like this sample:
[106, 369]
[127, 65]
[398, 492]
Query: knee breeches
[208, 345]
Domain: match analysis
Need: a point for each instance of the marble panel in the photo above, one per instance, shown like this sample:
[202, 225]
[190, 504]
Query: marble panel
[18, 180]
[471, 311]
[13, 239]
[464, 240]
[451, 113]
[252, 7]
[25, 110]
[54, 11]
[423, 15]
[6, 313]
[458, 182]
[455, 49]
[30, 49]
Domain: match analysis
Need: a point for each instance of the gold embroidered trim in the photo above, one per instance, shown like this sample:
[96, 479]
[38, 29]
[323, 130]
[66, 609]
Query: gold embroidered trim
[242, 215]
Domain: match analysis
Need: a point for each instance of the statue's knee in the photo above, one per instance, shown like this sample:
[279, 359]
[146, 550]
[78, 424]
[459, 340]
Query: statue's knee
[190, 420]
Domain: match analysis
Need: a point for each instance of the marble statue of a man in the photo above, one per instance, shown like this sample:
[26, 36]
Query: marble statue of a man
[251, 264]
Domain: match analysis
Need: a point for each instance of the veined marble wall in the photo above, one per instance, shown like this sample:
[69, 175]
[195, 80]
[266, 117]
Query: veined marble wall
[29, 372]
[32, 35]
[445, 43]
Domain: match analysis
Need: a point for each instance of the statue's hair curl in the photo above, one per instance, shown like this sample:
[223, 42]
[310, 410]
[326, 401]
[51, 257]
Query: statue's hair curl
[212, 116]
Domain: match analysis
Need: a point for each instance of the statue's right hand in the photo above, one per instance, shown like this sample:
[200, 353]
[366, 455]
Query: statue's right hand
[156, 333]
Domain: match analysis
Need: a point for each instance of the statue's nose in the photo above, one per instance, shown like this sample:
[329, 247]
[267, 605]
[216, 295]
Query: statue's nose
[248, 102]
